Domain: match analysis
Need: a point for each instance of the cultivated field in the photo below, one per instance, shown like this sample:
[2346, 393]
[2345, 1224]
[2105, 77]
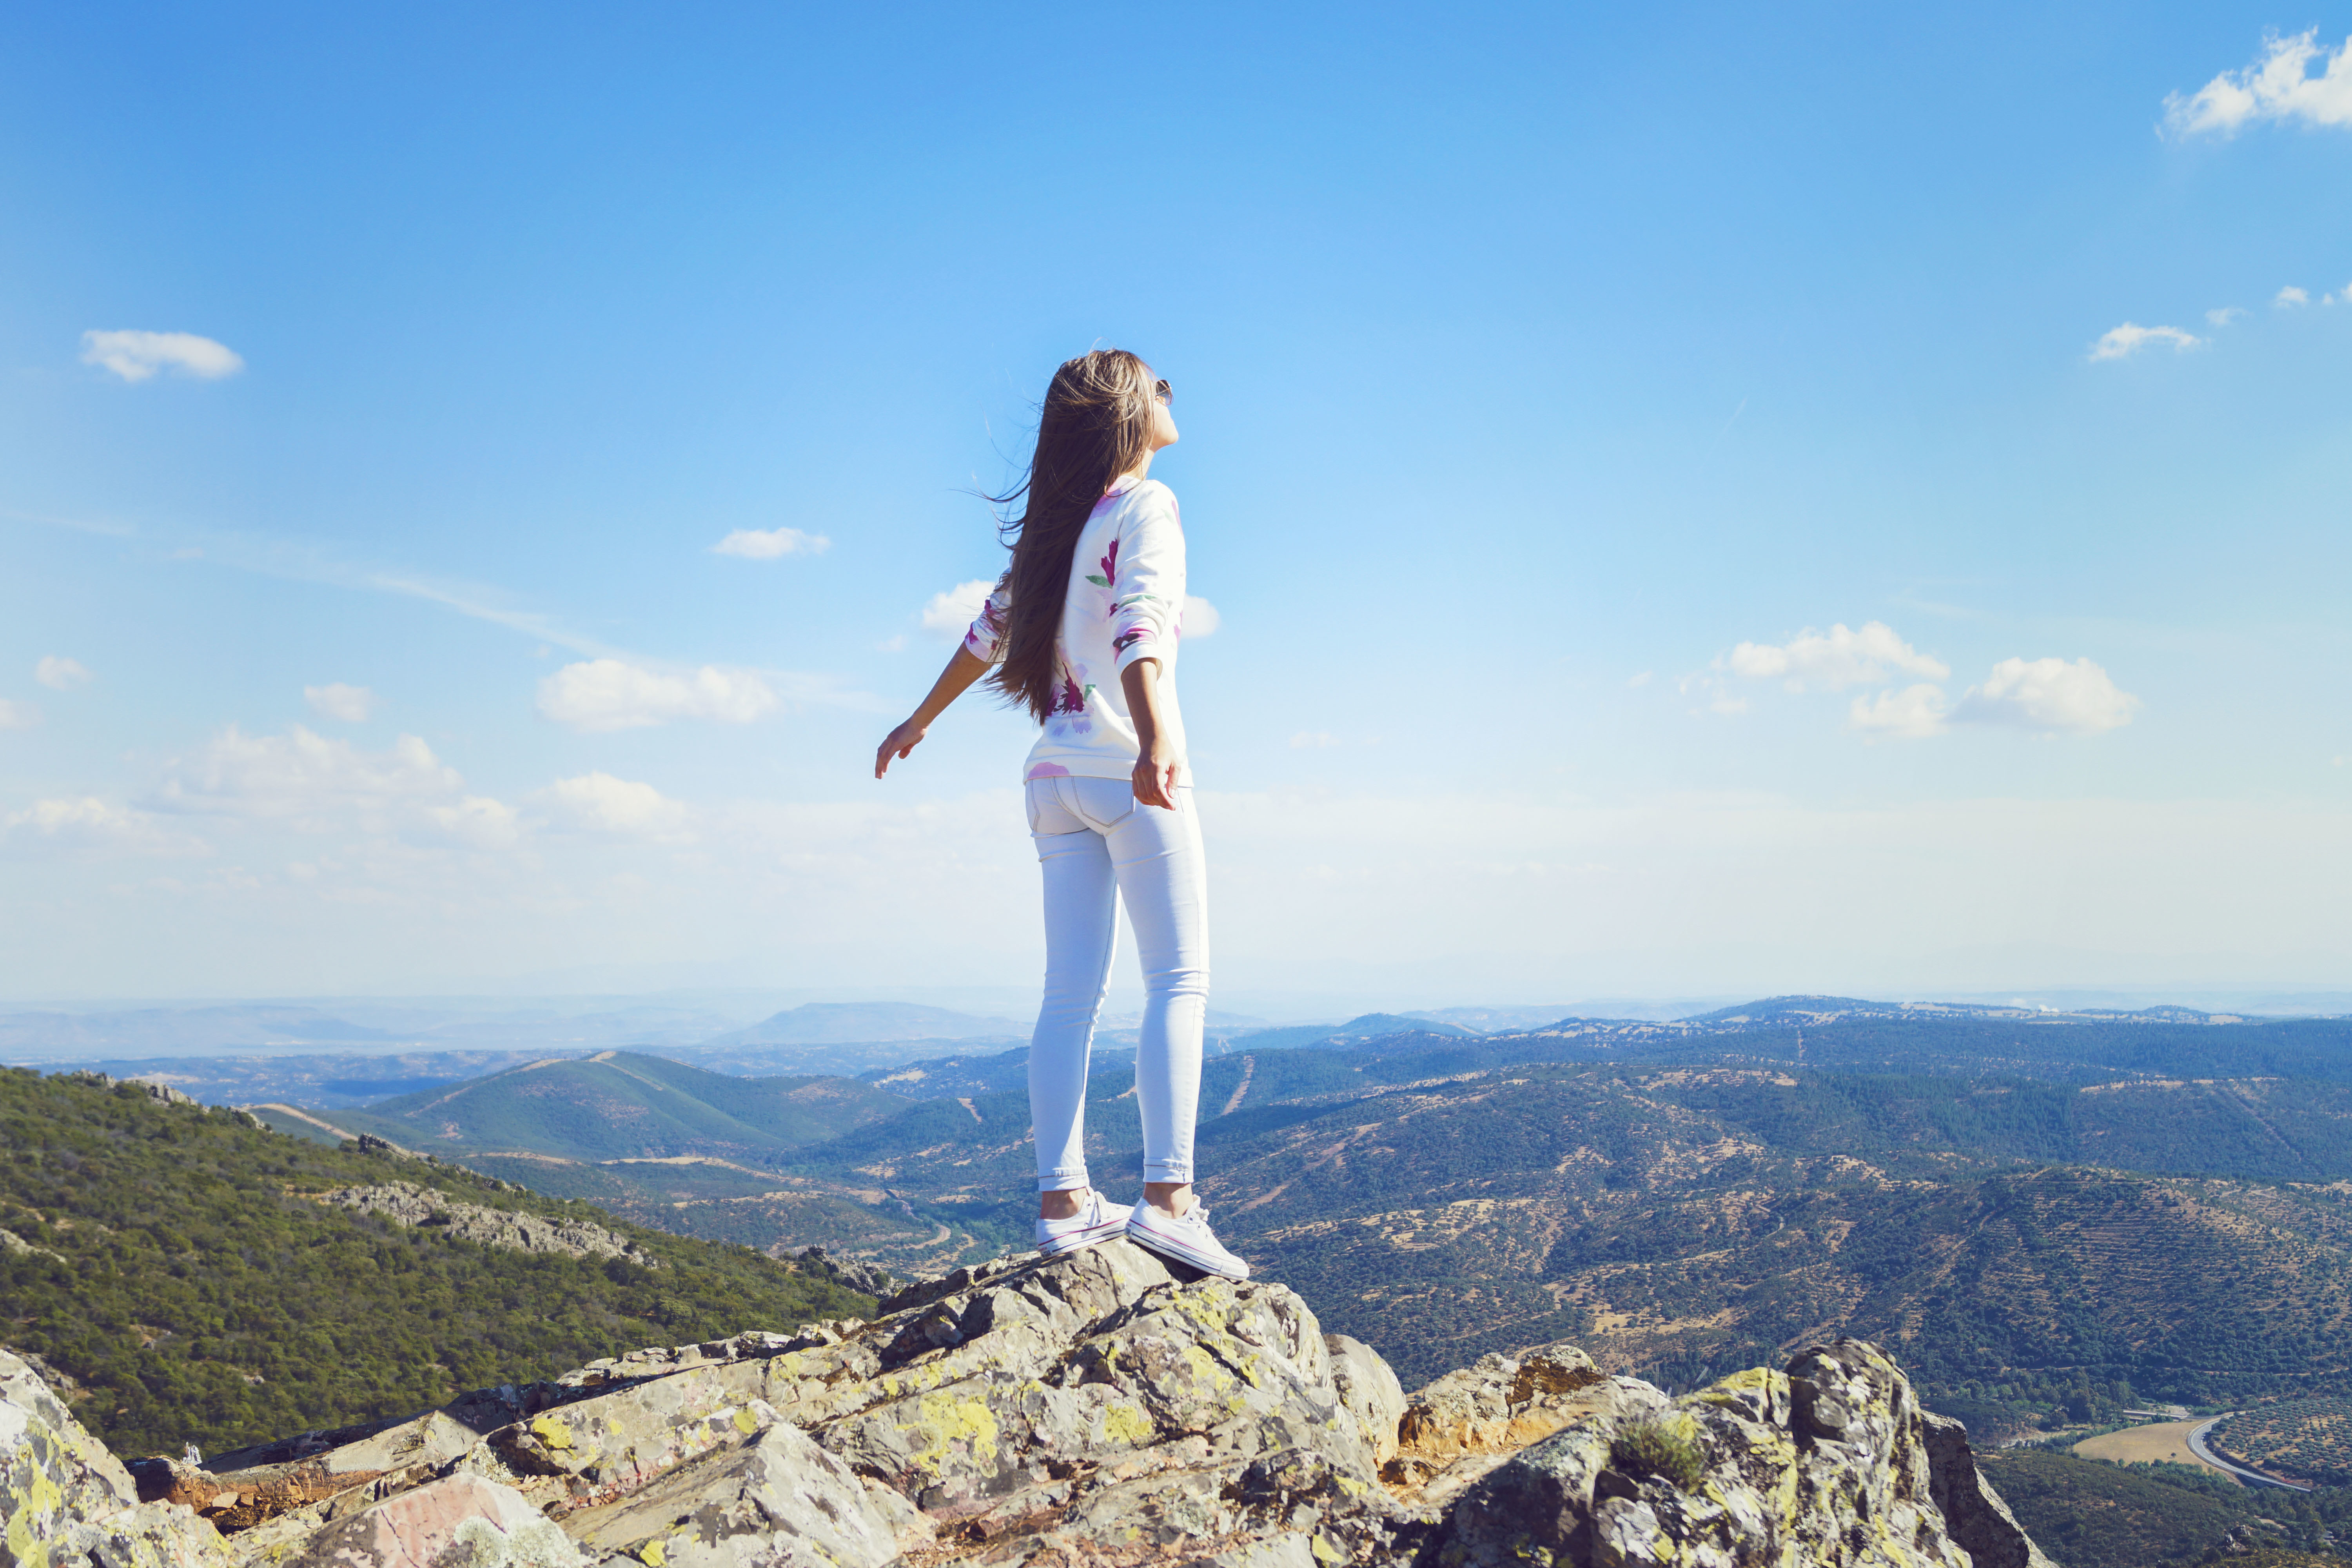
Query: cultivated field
[2166, 1440]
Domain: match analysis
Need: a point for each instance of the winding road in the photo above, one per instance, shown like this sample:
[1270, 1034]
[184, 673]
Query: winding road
[2252, 1478]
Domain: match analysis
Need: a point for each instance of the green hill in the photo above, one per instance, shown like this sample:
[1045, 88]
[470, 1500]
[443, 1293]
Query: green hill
[2087, 1513]
[619, 1104]
[1685, 1221]
[177, 1267]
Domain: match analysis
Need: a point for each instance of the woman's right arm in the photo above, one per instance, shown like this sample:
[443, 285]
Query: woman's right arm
[963, 669]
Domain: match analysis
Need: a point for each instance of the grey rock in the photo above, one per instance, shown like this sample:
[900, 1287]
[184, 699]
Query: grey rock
[1825, 1463]
[1103, 1406]
[66, 1502]
[775, 1500]
[1974, 1513]
[11, 1242]
[410, 1204]
[464, 1521]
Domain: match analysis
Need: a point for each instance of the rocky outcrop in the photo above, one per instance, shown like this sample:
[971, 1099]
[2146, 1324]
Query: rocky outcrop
[870, 1278]
[1102, 1408]
[66, 1502]
[11, 1242]
[410, 1204]
[1827, 1463]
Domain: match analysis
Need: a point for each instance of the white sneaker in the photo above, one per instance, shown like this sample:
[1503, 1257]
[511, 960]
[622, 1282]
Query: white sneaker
[1187, 1240]
[1096, 1221]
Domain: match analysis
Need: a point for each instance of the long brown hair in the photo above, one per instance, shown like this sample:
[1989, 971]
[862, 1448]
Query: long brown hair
[1096, 425]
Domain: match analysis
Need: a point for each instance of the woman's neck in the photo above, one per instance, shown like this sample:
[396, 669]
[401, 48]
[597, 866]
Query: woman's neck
[1138, 474]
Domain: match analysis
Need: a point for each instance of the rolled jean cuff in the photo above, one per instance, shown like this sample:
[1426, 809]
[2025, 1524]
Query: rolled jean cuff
[1065, 1182]
[1167, 1171]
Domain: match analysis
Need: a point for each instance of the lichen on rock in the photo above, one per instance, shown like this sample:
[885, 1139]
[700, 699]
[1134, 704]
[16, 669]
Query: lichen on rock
[1101, 1406]
[407, 1203]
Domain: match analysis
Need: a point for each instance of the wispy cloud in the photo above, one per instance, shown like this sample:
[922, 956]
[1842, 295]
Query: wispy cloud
[1200, 618]
[2121, 342]
[2225, 315]
[18, 715]
[352, 704]
[479, 604]
[1831, 660]
[950, 612]
[2048, 694]
[302, 776]
[136, 356]
[599, 803]
[755, 544]
[605, 694]
[87, 822]
[2290, 297]
[60, 673]
[2278, 86]
[1912, 713]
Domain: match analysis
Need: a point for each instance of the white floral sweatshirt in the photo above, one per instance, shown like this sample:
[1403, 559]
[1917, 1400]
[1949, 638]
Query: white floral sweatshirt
[1126, 601]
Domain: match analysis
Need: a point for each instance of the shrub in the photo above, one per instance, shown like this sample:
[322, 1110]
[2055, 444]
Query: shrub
[1653, 1449]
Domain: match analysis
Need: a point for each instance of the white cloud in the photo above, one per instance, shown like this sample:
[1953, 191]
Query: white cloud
[478, 820]
[18, 715]
[1841, 657]
[135, 356]
[949, 615]
[2290, 296]
[352, 704]
[602, 694]
[600, 802]
[2277, 87]
[2047, 694]
[2225, 315]
[1201, 617]
[61, 674]
[87, 822]
[304, 776]
[1912, 713]
[2120, 343]
[754, 544]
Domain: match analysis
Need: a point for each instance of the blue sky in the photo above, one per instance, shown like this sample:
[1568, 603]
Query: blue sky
[1553, 385]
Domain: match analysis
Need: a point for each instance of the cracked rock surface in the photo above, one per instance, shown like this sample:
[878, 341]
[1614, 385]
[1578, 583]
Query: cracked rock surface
[1096, 1408]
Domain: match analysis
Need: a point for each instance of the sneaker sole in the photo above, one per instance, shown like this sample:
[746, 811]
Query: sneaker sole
[1153, 1241]
[1078, 1240]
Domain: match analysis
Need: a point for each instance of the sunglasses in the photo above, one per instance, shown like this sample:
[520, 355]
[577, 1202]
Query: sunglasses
[1163, 391]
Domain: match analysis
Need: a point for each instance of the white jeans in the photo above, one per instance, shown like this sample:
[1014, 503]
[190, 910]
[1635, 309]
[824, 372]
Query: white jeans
[1099, 846]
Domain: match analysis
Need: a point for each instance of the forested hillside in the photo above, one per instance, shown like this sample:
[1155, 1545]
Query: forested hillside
[1685, 1221]
[619, 1104]
[176, 1263]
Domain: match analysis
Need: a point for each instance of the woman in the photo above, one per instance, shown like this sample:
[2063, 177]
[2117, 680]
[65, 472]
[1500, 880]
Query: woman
[1082, 631]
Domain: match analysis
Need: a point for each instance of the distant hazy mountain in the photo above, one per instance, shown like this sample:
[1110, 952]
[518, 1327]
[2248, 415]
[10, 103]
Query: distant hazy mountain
[1355, 1031]
[857, 1059]
[325, 1081]
[1486, 1020]
[1813, 1010]
[79, 1037]
[846, 1023]
[618, 1105]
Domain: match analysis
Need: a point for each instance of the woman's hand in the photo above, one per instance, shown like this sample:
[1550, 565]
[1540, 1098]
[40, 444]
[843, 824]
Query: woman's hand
[1155, 768]
[898, 743]
[1155, 775]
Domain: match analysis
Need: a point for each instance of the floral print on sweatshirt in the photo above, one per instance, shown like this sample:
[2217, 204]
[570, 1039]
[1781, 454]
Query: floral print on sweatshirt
[1127, 585]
